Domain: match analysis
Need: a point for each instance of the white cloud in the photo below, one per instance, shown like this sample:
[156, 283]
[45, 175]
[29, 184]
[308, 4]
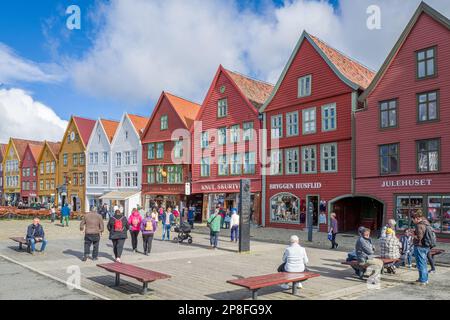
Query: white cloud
[23, 117]
[14, 68]
[144, 47]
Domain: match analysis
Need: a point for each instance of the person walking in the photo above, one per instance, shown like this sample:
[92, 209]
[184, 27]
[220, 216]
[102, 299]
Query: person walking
[227, 219]
[92, 226]
[214, 225]
[65, 215]
[333, 231]
[176, 214]
[118, 227]
[148, 227]
[235, 220]
[154, 214]
[365, 255]
[191, 216]
[36, 234]
[53, 214]
[423, 240]
[134, 221]
[294, 259]
[167, 221]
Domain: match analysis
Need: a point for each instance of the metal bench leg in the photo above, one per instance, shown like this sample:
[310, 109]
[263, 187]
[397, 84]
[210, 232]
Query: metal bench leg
[145, 288]
[20, 246]
[117, 279]
[255, 294]
[294, 288]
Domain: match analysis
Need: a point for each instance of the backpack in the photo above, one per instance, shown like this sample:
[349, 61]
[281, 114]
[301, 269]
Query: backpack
[118, 225]
[135, 221]
[429, 238]
[149, 225]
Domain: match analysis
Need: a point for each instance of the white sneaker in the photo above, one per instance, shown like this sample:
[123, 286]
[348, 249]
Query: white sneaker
[299, 285]
[118, 260]
[285, 286]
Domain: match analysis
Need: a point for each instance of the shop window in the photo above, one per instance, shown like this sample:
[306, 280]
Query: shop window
[388, 114]
[284, 208]
[389, 159]
[428, 155]
[438, 213]
[426, 63]
[406, 207]
[427, 106]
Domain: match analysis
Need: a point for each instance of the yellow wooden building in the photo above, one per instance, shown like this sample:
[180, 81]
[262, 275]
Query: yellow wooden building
[47, 164]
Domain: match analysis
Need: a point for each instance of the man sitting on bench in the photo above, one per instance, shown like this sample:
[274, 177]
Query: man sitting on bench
[294, 259]
[365, 255]
[35, 234]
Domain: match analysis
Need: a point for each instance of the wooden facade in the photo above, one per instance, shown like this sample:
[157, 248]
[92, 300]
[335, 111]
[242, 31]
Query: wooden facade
[29, 181]
[47, 173]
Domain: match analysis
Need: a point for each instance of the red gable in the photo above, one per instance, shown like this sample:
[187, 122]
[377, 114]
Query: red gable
[85, 127]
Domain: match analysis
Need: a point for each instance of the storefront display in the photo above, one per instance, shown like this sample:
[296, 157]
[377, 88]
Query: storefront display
[285, 208]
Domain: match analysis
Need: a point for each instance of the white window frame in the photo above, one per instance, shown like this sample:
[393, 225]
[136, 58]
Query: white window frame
[314, 160]
[223, 165]
[290, 124]
[158, 149]
[235, 133]
[222, 108]
[248, 128]
[164, 122]
[118, 159]
[205, 140]
[105, 178]
[178, 149]
[250, 164]
[305, 122]
[278, 161]
[289, 159]
[222, 136]
[235, 164]
[327, 120]
[329, 158]
[205, 164]
[302, 86]
[276, 127]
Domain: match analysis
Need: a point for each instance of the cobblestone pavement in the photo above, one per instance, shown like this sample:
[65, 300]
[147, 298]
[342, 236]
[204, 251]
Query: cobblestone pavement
[197, 272]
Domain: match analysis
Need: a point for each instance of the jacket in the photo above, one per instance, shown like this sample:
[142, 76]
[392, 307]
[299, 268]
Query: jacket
[390, 247]
[65, 211]
[407, 244]
[215, 222]
[35, 231]
[116, 235]
[135, 216]
[144, 224]
[92, 223]
[364, 249]
[421, 228]
[171, 218]
[334, 226]
[295, 258]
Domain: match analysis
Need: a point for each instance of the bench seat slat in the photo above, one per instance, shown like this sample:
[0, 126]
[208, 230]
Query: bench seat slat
[131, 271]
[258, 282]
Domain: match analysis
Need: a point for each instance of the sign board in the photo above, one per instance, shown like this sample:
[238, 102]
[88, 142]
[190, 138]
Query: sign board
[245, 204]
[187, 189]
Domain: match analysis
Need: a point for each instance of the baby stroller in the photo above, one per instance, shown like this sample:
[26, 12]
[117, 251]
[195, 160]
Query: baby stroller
[184, 233]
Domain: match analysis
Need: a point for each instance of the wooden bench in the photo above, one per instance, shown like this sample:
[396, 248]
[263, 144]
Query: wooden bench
[259, 282]
[142, 275]
[22, 241]
[355, 263]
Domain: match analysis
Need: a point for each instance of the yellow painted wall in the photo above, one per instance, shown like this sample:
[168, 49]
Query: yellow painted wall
[45, 157]
[11, 154]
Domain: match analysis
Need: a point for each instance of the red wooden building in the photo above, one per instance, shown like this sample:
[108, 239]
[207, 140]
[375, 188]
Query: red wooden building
[29, 174]
[403, 133]
[226, 141]
[166, 152]
[309, 123]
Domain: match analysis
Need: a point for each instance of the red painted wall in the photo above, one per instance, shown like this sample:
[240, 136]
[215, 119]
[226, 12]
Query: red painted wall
[29, 162]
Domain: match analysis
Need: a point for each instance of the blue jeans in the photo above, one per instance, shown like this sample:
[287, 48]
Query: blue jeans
[166, 231]
[407, 261]
[234, 233]
[33, 245]
[421, 260]
[214, 238]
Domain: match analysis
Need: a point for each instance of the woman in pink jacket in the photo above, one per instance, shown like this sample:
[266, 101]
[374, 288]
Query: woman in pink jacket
[134, 221]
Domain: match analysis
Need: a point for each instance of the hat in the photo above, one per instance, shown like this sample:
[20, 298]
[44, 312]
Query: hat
[389, 231]
[361, 230]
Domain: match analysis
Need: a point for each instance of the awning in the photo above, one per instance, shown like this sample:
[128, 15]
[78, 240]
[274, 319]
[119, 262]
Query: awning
[119, 195]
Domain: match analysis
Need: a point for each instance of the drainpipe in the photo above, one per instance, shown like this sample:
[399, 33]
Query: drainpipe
[263, 146]
[353, 161]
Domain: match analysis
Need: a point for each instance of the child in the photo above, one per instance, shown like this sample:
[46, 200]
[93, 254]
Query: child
[407, 247]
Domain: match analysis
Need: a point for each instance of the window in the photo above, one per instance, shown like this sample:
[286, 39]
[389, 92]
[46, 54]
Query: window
[222, 108]
[284, 208]
[41, 185]
[277, 126]
[53, 167]
[439, 213]
[389, 159]
[329, 157]
[304, 86]
[47, 167]
[34, 185]
[276, 162]
[75, 159]
[151, 151]
[428, 155]
[234, 133]
[127, 179]
[292, 124]
[118, 179]
[91, 178]
[96, 157]
[41, 168]
[151, 175]
[309, 121]
[388, 114]
[160, 150]
[223, 165]
[248, 131]
[309, 159]
[174, 174]
[127, 158]
[82, 159]
[164, 122]
[75, 179]
[222, 133]
[118, 159]
[105, 157]
[205, 140]
[249, 163]
[205, 167]
[235, 164]
[53, 184]
[96, 178]
[428, 107]
[134, 177]
[292, 161]
[406, 206]
[105, 178]
[159, 176]
[426, 63]
[329, 117]
[178, 150]
[91, 157]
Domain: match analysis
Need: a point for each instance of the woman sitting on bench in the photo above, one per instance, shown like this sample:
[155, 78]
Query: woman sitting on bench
[35, 234]
[390, 249]
[294, 259]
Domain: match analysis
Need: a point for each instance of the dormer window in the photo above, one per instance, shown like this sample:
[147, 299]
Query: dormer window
[304, 86]
[164, 122]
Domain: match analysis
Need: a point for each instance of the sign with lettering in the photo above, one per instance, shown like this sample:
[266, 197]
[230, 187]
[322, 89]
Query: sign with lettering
[220, 187]
[295, 186]
[406, 183]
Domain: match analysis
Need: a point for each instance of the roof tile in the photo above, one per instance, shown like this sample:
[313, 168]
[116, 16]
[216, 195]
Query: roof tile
[85, 126]
[187, 110]
[110, 127]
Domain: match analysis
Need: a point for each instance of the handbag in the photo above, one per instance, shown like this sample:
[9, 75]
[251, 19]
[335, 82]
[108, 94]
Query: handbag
[330, 236]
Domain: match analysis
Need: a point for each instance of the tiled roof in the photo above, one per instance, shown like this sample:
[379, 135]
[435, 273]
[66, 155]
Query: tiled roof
[54, 148]
[36, 150]
[110, 127]
[21, 145]
[3, 148]
[256, 91]
[187, 110]
[139, 122]
[351, 69]
[85, 126]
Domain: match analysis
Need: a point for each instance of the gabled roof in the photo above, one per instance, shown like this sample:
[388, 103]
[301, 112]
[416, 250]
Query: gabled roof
[3, 149]
[422, 9]
[85, 127]
[351, 72]
[36, 150]
[21, 146]
[186, 110]
[255, 90]
[138, 122]
[54, 148]
[110, 127]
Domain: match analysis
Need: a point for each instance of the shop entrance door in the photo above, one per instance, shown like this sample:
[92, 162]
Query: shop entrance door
[313, 205]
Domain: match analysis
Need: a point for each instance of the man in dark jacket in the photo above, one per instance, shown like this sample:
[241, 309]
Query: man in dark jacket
[421, 249]
[92, 226]
[118, 229]
[365, 254]
[35, 234]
